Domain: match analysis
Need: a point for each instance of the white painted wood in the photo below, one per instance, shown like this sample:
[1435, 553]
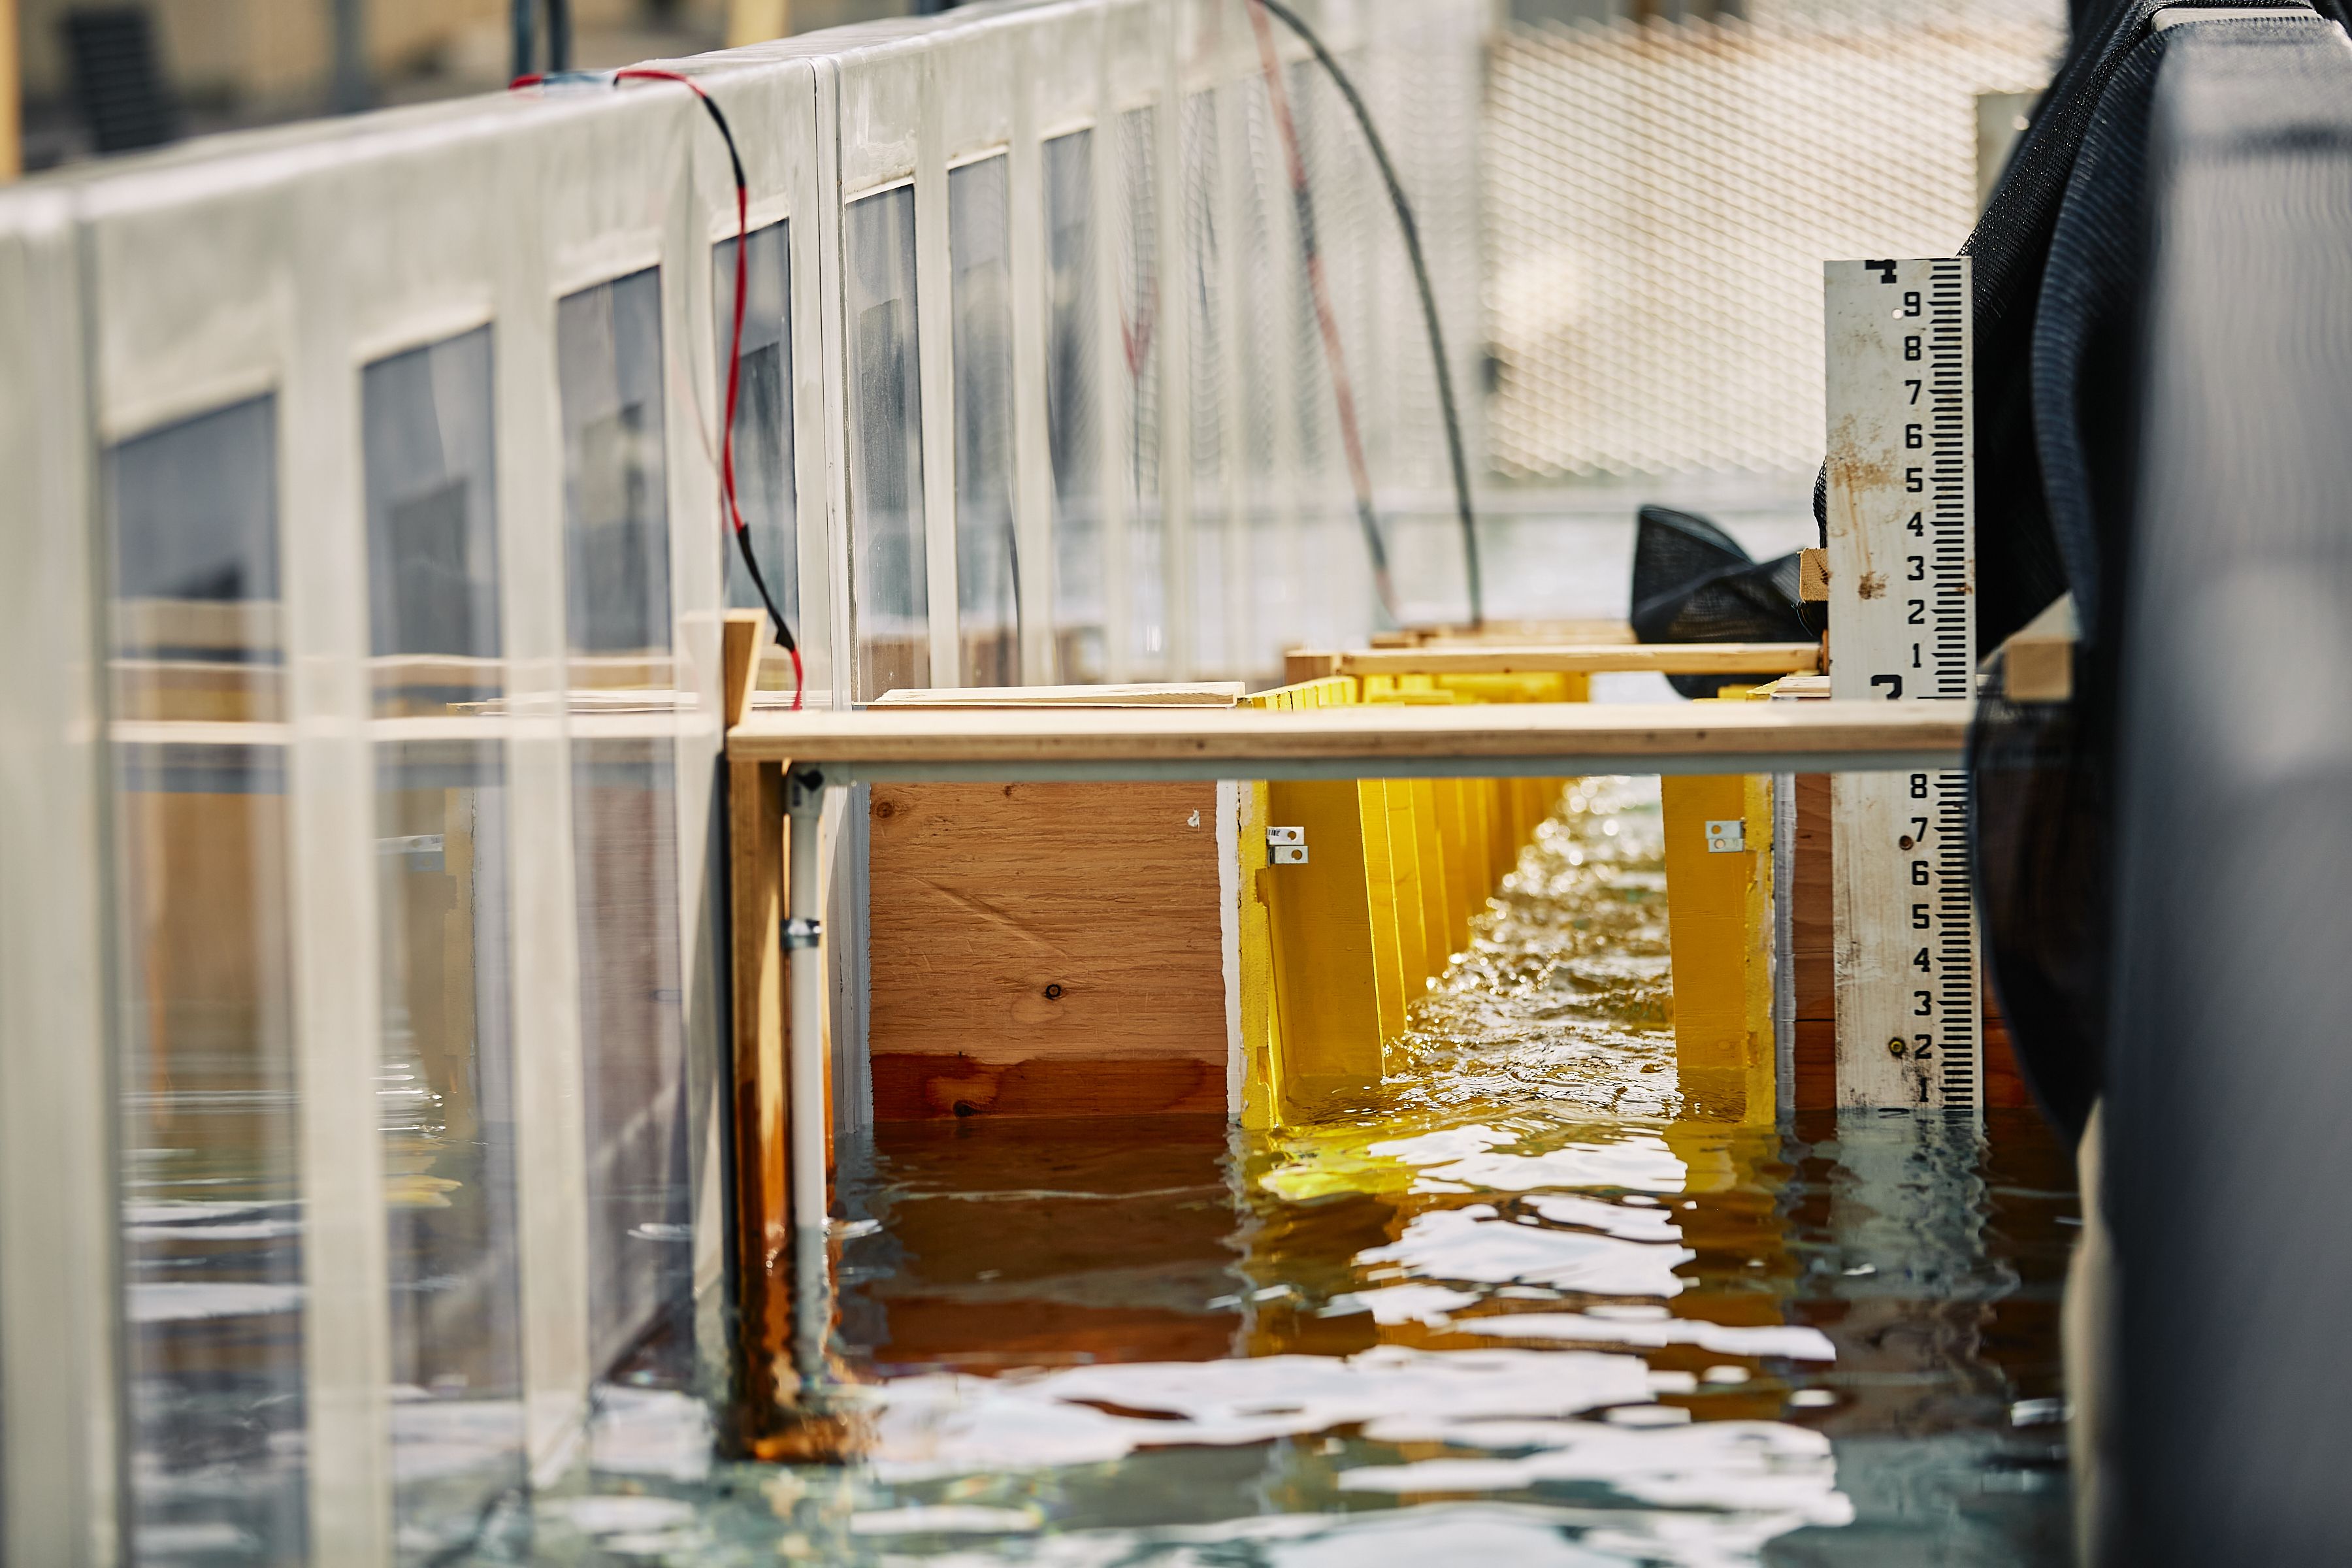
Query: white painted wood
[1902, 629]
[60, 1316]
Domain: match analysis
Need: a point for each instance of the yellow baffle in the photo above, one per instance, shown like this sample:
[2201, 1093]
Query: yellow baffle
[1719, 929]
[1332, 951]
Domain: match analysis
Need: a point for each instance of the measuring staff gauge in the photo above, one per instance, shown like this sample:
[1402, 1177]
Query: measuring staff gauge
[1902, 594]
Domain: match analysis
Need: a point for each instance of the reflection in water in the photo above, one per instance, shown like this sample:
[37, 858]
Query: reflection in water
[1522, 1314]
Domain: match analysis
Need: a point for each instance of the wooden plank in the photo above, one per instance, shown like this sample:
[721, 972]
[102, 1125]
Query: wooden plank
[1668, 658]
[745, 640]
[1018, 929]
[1569, 737]
[1510, 632]
[2038, 659]
[756, 829]
[1193, 694]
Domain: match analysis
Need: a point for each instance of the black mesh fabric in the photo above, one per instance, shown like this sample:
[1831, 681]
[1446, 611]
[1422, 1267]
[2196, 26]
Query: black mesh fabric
[1693, 583]
[2060, 265]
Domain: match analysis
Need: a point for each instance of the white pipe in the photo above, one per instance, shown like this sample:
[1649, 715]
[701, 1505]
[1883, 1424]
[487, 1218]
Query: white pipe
[804, 982]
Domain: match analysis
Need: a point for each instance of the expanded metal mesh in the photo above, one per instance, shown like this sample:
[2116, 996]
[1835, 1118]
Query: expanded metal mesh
[1660, 199]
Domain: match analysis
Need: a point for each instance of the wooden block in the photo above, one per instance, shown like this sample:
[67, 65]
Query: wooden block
[745, 638]
[1669, 658]
[1013, 924]
[2038, 659]
[1300, 664]
[1812, 576]
[1160, 694]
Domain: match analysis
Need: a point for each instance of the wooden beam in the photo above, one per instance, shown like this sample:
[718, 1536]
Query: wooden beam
[2038, 659]
[1365, 742]
[1586, 659]
[12, 97]
[1162, 694]
[755, 843]
[745, 640]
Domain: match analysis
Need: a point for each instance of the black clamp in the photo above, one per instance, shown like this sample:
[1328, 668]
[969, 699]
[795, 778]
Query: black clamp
[802, 933]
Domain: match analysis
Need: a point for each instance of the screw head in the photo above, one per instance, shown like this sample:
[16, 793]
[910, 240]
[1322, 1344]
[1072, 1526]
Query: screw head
[1053, 992]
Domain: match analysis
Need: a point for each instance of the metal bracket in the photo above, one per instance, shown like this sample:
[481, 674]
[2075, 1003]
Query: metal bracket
[799, 932]
[1286, 846]
[1727, 835]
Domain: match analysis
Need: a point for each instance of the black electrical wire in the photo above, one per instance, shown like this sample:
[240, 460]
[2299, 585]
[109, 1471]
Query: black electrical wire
[735, 340]
[1411, 231]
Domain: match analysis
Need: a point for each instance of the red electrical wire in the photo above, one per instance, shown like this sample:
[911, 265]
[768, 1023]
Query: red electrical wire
[1342, 391]
[734, 347]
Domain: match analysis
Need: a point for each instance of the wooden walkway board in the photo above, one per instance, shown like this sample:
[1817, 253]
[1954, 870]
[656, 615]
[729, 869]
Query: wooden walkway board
[1567, 737]
[1668, 659]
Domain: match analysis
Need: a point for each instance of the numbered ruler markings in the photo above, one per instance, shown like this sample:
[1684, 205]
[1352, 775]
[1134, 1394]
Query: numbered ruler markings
[1902, 629]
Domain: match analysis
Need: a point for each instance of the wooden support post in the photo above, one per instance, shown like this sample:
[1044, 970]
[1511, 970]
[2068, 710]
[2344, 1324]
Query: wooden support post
[1404, 863]
[1719, 929]
[755, 841]
[12, 97]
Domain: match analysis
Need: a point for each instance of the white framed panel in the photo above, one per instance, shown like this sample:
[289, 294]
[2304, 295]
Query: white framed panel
[60, 1394]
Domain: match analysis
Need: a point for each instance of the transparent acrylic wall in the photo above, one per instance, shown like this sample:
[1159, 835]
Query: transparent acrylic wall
[988, 598]
[444, 902]
[890, 574]
[212, 1231]
[765, 490]
[1072, 413]
[624, 827]
[1141, 315]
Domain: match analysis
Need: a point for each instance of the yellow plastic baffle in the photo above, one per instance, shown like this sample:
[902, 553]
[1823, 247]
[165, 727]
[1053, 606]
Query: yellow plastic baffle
[1720, 929]
[1355, 895]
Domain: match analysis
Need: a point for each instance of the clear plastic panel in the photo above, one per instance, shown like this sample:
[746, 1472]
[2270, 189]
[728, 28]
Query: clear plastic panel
[1142, 312]
[212, 1217]
[615, 496]
[446, 1085]
[640, 1206]
[988, 603]
[889, 573]
[1220, 357]
[1072, 409]
[625, 835]
[764, 487]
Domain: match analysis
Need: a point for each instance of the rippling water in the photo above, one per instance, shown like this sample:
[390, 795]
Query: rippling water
[1515, 1313]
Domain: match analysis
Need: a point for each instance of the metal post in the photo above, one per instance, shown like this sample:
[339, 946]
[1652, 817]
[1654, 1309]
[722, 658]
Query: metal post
[804, 1046]
[558, 35]
[522, 15]
[349, 93]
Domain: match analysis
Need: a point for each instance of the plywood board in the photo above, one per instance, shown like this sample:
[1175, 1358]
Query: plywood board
[1045, 949]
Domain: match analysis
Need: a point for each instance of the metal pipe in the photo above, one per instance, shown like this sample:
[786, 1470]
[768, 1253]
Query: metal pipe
[805, 800]
[558, 35]
[804, 1047]
[522, 15]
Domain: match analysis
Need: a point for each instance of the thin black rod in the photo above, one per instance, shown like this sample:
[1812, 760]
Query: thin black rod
[1289, 19]
[521, 21]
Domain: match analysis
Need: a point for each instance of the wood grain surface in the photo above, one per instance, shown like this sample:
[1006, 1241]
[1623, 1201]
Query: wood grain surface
[1045, 949]
[1578, 736]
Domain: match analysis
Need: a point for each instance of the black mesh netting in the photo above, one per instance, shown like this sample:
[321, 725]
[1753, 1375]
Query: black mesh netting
[1693, 583]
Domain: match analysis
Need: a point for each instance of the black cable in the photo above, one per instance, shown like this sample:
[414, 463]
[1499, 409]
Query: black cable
[558, 35]
[1289, 19]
